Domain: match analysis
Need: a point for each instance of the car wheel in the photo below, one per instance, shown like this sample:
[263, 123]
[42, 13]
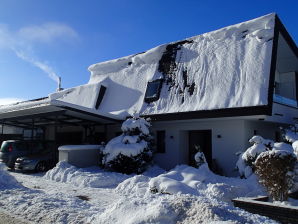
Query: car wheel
[41, 166]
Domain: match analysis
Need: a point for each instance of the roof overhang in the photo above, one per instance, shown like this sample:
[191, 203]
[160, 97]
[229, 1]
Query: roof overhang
[46, 114]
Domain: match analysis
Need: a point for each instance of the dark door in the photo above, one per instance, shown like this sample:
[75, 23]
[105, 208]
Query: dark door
[200, 140]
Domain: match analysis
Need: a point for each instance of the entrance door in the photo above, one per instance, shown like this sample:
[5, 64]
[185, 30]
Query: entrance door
[200, 140]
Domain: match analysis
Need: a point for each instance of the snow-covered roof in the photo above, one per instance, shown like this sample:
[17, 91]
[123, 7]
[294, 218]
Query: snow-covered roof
[224, 69]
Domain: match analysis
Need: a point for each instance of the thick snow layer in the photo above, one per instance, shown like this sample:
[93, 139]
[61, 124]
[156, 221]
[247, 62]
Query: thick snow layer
[79, 147]
[84, 177]
[223, 66]
[117, 145]
[133, 123]
[44, 200]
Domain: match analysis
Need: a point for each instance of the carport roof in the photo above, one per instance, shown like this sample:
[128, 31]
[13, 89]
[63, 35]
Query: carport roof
[43, 112]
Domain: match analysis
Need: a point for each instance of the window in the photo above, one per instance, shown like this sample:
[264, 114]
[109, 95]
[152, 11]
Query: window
[153, 90]
[101, 93]
[160, 141]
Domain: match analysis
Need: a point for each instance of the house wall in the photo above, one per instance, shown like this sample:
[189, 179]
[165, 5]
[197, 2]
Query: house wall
[228, 137]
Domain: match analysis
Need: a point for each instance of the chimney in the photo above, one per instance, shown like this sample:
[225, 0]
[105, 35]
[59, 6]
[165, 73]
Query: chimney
[59, 85]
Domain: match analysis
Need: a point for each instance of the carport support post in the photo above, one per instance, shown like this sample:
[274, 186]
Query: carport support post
[32, 130]
[2, 131]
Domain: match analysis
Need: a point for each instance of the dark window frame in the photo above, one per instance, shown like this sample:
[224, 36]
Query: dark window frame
[151, 98]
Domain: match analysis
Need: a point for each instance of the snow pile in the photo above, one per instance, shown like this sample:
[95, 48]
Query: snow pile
[84, 177]
[47, 201]
[246, 159]
[6, 180]
[188, 180]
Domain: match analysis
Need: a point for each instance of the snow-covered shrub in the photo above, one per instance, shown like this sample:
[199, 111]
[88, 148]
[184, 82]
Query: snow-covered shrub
[275, 170]
[130, 152]
[290, 134]
[245, 163]
[200, 158]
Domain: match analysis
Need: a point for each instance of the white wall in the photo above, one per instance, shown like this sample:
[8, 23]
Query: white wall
[223, 149]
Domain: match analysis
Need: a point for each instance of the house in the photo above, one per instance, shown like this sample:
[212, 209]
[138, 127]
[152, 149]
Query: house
[213, 91]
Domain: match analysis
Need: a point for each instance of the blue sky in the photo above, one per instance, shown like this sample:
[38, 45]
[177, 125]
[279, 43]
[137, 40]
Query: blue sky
[40, 39]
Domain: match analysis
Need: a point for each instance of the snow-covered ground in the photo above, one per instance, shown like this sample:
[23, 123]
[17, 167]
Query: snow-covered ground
[67, 194]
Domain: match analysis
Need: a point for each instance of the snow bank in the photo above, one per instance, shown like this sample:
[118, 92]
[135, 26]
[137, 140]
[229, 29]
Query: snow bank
[6, 180]
[84, 177]
[188, 180]
[189, 195]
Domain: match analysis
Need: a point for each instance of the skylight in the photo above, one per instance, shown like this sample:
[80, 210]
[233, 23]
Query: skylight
[153, 90]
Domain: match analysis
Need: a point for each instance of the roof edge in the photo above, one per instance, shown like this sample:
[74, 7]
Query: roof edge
[227, 112]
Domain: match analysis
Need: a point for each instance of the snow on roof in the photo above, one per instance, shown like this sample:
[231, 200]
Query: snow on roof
[25, 105]
[226, 68]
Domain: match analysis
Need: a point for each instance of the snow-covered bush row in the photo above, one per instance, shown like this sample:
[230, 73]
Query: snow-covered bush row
[130, 152]
[6, 180]
[245, 163]
[84, 177]
[275, 169]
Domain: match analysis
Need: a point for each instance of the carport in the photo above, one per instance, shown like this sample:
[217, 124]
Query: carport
[36, 116]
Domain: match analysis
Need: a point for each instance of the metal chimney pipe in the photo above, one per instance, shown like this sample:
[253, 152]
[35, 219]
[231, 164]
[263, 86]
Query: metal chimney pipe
[59, 85]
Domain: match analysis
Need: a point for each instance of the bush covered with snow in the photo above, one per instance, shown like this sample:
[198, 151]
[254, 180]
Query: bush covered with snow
[245, 163]
[290, 134]
[246, 160]
[130, 152]
[275, 169]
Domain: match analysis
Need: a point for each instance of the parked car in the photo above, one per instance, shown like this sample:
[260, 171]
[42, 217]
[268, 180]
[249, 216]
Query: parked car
[38, 162]
[13, 149]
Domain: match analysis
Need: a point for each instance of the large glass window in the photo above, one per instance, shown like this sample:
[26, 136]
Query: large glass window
[153, 90]
[285, 85]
